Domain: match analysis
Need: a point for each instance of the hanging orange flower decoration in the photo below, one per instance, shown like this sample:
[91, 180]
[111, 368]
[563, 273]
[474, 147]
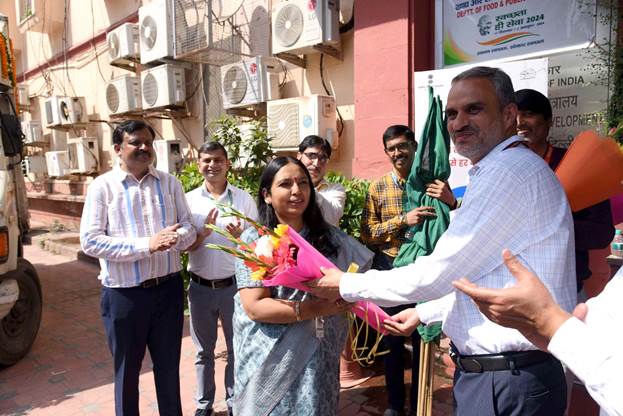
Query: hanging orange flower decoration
[4, 57]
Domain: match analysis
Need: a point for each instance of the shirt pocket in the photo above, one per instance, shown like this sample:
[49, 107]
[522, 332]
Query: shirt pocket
[166, 208]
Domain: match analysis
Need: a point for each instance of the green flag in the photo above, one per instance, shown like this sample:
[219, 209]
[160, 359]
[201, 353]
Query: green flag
[431, 162]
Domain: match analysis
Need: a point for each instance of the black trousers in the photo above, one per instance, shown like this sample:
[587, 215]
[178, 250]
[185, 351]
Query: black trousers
[395, 360]
[138, 318]
[536, 390]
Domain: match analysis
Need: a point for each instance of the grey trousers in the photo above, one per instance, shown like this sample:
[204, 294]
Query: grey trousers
[207, 305]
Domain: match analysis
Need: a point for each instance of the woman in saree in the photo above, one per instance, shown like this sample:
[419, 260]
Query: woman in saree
[287, 343]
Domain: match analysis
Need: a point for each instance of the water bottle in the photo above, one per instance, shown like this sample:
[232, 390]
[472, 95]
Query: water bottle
[617, 244]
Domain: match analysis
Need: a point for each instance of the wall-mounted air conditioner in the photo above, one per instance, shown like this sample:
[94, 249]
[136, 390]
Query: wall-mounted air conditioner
[123, 43]
[83, 154]
[249, 82]
[169, 155]
[35, 165]
[23, 100]
[32, 131]
[162, 86]
[292, 119]
[298, 25]
[123, 94]
[65, 111]
[57, 163]
[156, 30]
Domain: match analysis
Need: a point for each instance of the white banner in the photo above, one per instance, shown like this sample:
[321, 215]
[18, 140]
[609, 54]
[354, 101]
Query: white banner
[530, 73]
[485, 30]
[578, 96]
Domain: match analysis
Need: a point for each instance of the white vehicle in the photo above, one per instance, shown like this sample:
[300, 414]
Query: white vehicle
[20, 290]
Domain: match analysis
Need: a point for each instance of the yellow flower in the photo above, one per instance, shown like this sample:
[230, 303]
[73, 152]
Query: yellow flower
[258, 274]
[281, 230]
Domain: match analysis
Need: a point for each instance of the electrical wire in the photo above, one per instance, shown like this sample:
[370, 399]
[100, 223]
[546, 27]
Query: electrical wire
[324, 85]
[99, 69]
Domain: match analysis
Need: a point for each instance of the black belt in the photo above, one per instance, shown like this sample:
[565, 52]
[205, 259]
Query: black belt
[214, 284]
[499, 362]
[158, 280]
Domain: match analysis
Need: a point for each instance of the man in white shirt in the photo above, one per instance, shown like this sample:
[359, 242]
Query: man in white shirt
[213, 286]
[136, 221]
[315, 152]
[513, 200]
[588, 341]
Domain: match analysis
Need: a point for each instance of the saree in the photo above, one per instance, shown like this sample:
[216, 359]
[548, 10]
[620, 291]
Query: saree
[284, 369]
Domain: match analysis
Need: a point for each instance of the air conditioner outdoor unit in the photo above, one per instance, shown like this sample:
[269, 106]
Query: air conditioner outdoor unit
[123, 94]
[298, 25]
[83, 154]
[57, 163]
[249, 82]
[292, 119]
[65, 111]
[162, 86]
[169, 155]
[219, 32]
[156, 30]
[34, 165]
[23, 100]
[123, 43]
[32, 131]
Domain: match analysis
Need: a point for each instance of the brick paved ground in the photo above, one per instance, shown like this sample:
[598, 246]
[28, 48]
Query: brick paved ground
[69, 370]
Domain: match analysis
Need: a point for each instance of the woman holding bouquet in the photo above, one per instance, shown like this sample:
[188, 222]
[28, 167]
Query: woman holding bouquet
[287, 343]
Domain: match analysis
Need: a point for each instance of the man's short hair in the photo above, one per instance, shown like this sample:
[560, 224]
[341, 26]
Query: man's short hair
[500, 80]
[129, 127]
[533, 101]
[398, 130]
[212, 147]
[315, 141]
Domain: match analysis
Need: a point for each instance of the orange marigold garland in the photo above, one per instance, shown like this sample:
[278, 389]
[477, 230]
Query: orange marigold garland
[13, 75]
[4, 57]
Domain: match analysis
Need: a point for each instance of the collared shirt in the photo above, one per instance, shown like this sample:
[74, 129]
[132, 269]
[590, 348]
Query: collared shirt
[592, 349]
[331, 198]
[207, 263]
[513, 201]
[382, 228]
[121, 214]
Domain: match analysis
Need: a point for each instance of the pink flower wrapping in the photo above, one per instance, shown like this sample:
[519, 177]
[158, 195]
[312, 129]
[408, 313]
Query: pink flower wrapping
[307, 267]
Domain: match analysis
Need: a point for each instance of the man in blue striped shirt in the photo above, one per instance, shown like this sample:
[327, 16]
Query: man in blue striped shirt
[136, 221]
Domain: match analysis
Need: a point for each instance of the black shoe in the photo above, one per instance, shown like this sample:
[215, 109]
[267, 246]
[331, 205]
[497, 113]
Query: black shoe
[203, 412]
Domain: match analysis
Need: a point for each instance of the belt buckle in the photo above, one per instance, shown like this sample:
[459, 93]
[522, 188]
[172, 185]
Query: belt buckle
[212, 284]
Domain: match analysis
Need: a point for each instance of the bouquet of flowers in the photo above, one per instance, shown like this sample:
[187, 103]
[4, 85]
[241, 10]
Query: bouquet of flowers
[281, 257]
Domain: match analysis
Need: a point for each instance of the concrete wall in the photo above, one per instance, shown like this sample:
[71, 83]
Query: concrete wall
[390, 43]
[74, 61]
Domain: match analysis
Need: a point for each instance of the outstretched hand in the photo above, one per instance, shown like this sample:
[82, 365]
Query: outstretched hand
[328, 286]
[403, 323]
[527, 306]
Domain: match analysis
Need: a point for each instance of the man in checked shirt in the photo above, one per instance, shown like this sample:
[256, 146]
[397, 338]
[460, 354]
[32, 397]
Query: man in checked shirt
[136, 221]
[383, 225]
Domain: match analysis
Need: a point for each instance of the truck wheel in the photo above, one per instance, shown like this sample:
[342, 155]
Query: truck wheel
[19, 328]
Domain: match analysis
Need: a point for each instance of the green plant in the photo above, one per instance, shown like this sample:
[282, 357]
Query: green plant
[248, 147]
[356, 190]
[190, 177]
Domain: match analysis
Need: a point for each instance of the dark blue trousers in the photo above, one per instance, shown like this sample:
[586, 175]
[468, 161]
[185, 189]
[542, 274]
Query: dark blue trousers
[536, 390]
[138, 318]
[395, 359]
[395, 366]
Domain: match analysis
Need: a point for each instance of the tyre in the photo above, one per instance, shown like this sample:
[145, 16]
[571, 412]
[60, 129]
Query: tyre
[19, 328]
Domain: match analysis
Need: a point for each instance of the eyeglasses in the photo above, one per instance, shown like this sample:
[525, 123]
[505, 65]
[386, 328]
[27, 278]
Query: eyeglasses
[401, 147]
[313, 156]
